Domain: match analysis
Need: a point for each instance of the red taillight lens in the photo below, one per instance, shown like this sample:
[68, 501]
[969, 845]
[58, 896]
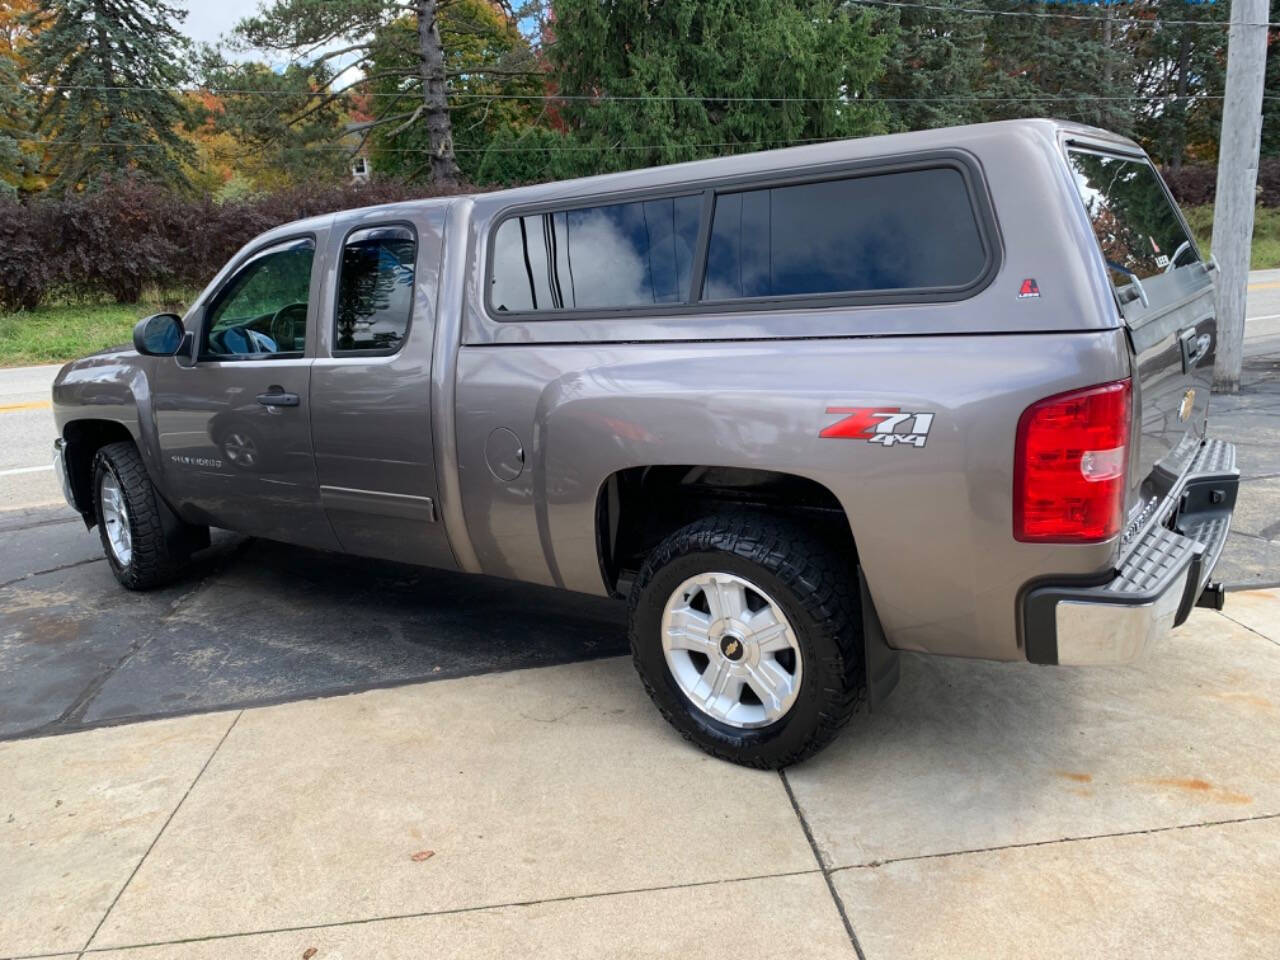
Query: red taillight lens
[1070, 464]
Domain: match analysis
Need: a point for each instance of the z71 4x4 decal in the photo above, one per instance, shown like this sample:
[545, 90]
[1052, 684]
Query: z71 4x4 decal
[880, 425]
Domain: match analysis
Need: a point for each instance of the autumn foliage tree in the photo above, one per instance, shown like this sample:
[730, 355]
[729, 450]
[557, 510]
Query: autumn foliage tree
[19, 156]
[108, 73]
[269, 128]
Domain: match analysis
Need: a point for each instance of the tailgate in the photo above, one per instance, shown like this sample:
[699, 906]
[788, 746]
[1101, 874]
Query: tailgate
[1165, 294]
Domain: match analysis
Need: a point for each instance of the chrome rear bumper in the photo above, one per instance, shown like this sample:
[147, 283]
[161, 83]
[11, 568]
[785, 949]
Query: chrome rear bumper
[1157, 582]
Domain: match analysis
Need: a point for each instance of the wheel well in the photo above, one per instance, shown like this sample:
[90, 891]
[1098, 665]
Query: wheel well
[639, 507]
[84, 438]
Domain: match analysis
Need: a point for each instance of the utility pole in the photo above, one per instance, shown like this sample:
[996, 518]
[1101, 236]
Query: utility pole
[1237, 179]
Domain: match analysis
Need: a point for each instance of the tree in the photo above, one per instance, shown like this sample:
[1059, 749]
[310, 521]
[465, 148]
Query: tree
[19, 157]
[366, 40]
[1076, 67]
[1271, 107]
[245, 122]
[663, 82]
[476, 35]
[1181, 75]
[934, 70]
[13, 122]
[110, 69]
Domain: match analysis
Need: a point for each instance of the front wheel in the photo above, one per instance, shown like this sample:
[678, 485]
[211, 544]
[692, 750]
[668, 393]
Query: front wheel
[130, 525]
[745, 629]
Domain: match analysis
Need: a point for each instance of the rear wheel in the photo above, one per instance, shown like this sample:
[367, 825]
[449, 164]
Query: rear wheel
[745, 630]
[130, 523]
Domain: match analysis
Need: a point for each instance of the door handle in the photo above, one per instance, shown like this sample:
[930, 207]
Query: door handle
[1193, 348]
[276, 397]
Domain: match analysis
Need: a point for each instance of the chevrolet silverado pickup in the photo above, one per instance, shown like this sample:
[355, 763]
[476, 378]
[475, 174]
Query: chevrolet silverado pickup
[943, 392]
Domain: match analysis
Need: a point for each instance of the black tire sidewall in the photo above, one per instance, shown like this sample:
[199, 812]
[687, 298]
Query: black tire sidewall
[822, 665]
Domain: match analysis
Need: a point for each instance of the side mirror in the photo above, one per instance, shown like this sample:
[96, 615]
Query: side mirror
[159, 335]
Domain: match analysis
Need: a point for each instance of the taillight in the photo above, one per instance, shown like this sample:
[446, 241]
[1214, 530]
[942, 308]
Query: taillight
[1069, 466]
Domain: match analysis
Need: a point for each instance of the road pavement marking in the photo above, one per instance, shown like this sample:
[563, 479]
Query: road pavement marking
[1269, 316]
[16, 471]
[1265, 286]
[33, 405]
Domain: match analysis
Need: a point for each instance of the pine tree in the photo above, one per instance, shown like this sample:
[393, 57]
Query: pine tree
[110, 69]
[395, 44]
[1075, 67]
[1181, 78]
[934, 70]
[664, 82]
[477, 36]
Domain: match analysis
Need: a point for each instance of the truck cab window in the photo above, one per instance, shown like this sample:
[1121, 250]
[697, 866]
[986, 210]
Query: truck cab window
[262, 311]
[375, 290]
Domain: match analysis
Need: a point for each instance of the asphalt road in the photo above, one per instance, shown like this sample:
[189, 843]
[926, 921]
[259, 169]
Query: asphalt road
[254, 622]
[257, 622]
[26, 436]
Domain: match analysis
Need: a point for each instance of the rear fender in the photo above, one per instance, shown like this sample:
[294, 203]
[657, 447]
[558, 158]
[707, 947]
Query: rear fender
[932, 521]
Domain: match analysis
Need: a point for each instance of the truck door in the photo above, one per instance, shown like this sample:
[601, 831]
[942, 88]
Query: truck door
[233, 428]
[371, 388]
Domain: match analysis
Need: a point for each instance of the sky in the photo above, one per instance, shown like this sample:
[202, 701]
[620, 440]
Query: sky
[209, 19]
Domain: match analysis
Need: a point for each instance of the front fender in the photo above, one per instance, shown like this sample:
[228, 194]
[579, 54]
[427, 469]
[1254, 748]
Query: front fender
[112, 387]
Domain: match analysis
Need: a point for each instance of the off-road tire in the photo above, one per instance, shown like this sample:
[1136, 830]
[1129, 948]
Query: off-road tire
[153, 563]
[815, 585]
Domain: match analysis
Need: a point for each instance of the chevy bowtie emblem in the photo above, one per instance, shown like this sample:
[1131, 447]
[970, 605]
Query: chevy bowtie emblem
[1188, 402]
[731, 647]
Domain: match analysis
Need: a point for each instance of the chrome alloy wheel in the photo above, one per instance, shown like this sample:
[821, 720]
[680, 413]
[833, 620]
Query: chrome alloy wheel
[115, 518]
[731, 650]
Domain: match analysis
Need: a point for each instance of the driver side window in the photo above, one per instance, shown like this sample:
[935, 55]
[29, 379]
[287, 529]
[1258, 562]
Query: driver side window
[261, 312]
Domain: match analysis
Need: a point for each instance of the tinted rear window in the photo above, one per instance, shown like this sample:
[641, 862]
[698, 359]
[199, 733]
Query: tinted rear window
[898, 231]
[620, 255]
[1133, 218]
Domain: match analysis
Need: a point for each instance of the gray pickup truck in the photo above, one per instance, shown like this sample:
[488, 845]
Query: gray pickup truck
[943, 392]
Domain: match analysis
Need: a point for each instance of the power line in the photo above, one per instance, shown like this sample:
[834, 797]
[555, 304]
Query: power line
[1046, 15]
[669, 98]
[602, 147]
